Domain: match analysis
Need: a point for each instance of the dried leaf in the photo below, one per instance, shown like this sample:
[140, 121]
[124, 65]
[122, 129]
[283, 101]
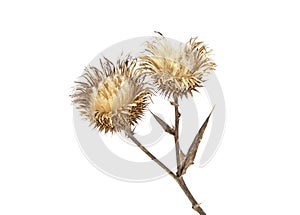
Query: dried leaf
[163, 124]
[191, 154]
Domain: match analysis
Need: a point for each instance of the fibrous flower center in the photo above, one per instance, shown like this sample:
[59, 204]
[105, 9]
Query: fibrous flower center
[114, 94]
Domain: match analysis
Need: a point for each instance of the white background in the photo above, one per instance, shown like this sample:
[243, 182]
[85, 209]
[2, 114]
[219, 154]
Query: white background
[45, 45]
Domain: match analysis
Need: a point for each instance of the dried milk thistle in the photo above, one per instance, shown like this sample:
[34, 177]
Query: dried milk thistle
[177, 70]
[112, 97]
[115, 96]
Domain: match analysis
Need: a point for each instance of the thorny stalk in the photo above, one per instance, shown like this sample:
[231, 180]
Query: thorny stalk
[178, 179]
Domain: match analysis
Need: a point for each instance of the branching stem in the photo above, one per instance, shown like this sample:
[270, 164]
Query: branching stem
[178, 179]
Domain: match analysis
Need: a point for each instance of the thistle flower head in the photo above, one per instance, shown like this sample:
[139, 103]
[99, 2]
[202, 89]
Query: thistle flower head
[112, 97]
[177, 70]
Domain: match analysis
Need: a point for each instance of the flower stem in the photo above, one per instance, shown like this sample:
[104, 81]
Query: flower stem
[176, 134]
[178, 179]
[187, 192]
[130, 135]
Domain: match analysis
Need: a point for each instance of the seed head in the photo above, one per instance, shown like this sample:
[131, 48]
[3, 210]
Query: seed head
[112, 97]
[177, 70]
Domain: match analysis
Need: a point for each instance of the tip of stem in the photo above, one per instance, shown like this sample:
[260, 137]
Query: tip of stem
[197, 208]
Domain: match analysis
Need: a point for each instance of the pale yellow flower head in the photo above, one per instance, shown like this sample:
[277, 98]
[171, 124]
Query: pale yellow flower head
[177, 69]
[112, 97]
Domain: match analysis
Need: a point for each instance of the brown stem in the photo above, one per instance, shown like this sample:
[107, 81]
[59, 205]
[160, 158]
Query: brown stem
[130, 135]
[195, 204]
[178, 179]
[176, 134]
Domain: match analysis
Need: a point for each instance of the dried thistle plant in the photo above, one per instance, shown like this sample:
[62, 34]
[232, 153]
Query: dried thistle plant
[114, 97]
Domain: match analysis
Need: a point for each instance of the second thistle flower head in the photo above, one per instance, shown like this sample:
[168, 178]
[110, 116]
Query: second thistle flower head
[177, 70]
[112, 97]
